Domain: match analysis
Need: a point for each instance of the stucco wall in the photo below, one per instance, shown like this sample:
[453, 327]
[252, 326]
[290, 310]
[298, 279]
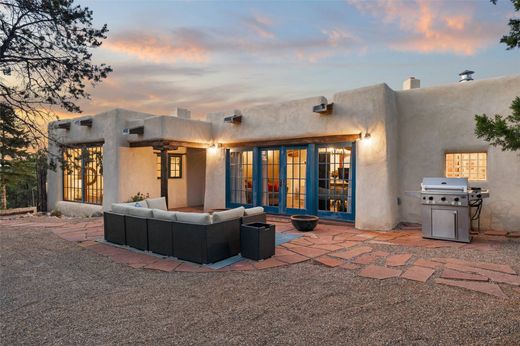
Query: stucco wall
[369, 109]
[196, 176]
[138, 174]
[439, 119]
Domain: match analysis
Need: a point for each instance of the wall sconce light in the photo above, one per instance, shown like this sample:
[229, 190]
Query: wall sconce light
[367, 135]
[213, 148]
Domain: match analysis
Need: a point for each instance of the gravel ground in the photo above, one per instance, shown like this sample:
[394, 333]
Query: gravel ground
[55, 292]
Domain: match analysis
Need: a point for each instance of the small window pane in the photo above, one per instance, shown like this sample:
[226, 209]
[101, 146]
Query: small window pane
[466, 165]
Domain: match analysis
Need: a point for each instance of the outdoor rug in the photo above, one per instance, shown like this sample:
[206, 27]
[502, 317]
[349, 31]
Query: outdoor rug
[280, 238]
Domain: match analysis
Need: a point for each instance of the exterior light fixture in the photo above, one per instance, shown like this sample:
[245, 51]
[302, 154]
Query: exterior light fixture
[367, 135]
[235, 118]
[213, 148]
[323, 108]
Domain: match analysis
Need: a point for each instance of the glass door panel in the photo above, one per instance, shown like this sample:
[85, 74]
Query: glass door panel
[270, 178]
[335, 181]
[296, 175]
[241, 177]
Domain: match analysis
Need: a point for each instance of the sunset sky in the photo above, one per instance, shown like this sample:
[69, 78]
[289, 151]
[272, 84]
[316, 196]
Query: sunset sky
[211, 56]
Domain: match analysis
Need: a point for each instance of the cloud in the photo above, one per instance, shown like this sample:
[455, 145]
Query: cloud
[181, 45]
[432, 26]
[260, 24]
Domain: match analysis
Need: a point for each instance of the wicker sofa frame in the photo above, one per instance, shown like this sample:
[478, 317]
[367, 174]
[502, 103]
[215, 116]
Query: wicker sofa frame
[187, 241]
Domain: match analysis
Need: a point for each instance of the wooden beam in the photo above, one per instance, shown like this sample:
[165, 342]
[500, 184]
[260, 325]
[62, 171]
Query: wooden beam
[233, 119]
[300, 140]
[64, 125]
[85, 122]
[139, 130]
[158, 144]
[164, 174]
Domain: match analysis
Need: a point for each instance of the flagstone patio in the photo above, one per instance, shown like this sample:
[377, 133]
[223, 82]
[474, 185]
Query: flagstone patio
[400, 254]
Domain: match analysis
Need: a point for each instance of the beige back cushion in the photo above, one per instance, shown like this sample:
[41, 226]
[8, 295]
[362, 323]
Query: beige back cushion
[254, 211]
[157, 203]
[119, 208]
[164, 215]
[139, 212]
[220, 216]
[198, 218]
[139, 204]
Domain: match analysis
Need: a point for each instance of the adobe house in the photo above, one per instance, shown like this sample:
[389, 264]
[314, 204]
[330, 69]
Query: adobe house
[350, 158]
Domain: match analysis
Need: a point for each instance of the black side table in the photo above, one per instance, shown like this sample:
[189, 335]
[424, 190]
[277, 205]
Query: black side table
[257, 240]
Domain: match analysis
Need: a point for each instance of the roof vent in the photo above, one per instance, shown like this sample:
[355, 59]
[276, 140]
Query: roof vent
[465, 76]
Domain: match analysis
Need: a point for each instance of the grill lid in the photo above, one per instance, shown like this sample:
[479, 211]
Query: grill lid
[444, 184]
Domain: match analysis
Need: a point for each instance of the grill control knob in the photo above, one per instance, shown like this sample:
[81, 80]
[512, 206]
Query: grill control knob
[479, 195]
[456, 199]
[424, 198]
[430, 198]
[443, 199]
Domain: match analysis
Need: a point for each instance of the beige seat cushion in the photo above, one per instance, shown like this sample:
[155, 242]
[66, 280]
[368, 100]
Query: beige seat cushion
[198, 218]
[164, 215]
[220, 216]
[139, 212]
[157, 203]
[254, 211]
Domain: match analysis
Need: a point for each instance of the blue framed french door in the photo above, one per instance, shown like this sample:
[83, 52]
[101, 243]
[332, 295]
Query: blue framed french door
[240, 180]
[336, 181]
[298, 179]
[283, 173]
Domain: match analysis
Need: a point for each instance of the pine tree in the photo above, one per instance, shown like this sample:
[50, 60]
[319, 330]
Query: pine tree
[501, 131]
[14, 142]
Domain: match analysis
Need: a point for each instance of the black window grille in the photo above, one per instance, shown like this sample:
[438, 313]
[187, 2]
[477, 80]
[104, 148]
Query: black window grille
[83, 174]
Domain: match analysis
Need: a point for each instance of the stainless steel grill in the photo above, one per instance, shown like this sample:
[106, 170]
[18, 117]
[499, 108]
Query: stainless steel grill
[446, 208]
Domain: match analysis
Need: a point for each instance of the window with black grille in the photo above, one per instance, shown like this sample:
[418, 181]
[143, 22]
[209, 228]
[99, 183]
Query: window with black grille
[83, 174]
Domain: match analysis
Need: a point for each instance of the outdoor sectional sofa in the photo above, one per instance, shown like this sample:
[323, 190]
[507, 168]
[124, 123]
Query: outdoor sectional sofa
[195, 237]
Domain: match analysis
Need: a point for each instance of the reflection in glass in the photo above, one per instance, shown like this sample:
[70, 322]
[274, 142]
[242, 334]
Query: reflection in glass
[334, 177]
[296, 174]
[241, 168]
[270, 177]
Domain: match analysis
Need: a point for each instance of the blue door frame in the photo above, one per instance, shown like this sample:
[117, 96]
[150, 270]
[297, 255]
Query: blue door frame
[311, 199]
[339, 215]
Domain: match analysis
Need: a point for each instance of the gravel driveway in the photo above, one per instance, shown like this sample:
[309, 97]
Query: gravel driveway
[55, 292]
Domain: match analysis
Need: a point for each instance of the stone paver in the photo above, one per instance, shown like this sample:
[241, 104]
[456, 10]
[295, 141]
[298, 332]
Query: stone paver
[309, 252]
[329, 261]
[483, 287]
[242, 266]
[349, 266]
[421, 262]
[365, 259]
[504, 268]
[456, 275]
[494, 276]
[268, 263]
[348, 254]
[415, 273]
[165, 265]
[379, 272]
[330, 245]
[291, 259]
[191, 268]
[398, 260]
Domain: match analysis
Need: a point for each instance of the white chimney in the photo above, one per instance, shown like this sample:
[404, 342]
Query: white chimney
[465, 76]
[411, 83]
[181, 113]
